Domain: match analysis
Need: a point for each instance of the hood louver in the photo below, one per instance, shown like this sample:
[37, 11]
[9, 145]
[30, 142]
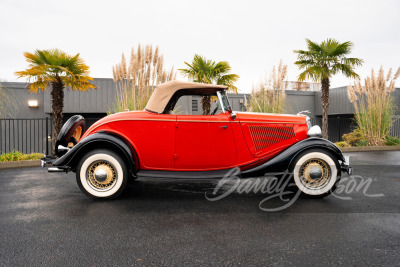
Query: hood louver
[264, 136]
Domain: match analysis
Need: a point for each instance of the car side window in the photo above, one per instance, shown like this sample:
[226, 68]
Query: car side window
[192, 105]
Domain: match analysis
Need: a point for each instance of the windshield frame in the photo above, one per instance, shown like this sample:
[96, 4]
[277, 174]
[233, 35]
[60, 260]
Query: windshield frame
[224, 101]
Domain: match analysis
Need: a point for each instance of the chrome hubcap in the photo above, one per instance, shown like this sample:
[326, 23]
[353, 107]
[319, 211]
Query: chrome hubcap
[315, 173]
[101, 175]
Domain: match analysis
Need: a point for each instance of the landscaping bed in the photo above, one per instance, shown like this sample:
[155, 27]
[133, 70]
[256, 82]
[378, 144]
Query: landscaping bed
[17, 159]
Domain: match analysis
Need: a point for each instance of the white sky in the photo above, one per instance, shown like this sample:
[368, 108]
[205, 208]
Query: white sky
[251, 35]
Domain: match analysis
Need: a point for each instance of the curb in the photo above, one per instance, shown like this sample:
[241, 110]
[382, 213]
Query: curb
[19, 164]
[370, 148]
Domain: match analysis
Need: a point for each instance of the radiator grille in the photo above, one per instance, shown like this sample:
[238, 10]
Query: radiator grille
[264, 136]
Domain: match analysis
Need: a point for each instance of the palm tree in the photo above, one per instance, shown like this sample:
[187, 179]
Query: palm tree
[61, 70]
[202, 70]
[320, 62]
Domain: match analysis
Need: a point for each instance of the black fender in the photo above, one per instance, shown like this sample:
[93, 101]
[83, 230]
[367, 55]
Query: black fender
[281, 162]
[103, 140]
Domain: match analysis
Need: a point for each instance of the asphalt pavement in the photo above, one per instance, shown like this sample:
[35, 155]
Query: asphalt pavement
[46, 220]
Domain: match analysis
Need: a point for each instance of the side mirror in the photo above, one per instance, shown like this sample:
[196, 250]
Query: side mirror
[233, 115]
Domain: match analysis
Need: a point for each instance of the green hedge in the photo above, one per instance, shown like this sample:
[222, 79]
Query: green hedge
[17, 156]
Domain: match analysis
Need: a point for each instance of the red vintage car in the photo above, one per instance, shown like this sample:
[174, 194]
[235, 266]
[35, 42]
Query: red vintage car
[160, 141]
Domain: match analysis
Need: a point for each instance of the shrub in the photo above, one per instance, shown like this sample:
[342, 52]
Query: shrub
[17, 156]
[374, 105]
[362, 143]
[342, 144]
[353, 138]
[392, 141]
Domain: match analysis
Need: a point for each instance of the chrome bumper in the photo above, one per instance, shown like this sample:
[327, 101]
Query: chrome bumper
[47, 161]
[345, 166]
[55, 169]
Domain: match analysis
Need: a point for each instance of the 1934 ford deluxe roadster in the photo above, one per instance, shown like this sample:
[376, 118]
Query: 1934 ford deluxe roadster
[160, 141]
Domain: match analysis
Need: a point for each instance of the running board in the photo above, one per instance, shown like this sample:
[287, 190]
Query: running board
[186, 175]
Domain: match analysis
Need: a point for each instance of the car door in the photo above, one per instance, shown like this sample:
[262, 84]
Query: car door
[204, 142]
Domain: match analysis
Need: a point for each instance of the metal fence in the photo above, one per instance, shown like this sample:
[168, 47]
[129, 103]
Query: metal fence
[34, 135]
[29, 135]
[25, 135]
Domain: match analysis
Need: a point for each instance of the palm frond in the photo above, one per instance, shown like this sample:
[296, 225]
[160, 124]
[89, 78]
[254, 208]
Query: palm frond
[325, 59]
[203, 70]
[46, 65]
[346, 70]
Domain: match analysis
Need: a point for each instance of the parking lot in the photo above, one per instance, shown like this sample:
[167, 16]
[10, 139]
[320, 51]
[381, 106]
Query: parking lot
[45, 219]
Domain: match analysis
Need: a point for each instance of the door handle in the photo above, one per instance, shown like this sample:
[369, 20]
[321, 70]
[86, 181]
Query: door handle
[224, 127]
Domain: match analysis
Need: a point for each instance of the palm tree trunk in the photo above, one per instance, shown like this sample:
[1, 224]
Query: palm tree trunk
[325, 106]
[57, 105]
[206, 105]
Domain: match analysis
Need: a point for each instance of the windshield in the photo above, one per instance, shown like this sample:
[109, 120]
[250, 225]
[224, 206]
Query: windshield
[225, 101]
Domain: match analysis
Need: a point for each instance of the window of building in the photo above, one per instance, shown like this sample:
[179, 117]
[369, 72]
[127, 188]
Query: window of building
[195, 104]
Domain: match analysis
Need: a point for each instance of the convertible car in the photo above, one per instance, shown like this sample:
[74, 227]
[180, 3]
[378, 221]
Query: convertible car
[164, 141]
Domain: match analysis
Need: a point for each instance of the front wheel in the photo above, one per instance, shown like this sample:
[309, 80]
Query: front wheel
[102, 174]
[316, 173]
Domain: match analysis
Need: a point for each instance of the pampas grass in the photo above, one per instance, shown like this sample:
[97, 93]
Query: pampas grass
[270, 94]
[135, 81]
[374, 105]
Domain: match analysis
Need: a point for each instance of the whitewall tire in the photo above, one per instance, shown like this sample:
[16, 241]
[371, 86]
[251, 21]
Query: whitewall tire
[316, 173]
[102, 174]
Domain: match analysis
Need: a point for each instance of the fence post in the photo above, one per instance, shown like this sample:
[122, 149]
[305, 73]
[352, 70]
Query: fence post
[47, 136]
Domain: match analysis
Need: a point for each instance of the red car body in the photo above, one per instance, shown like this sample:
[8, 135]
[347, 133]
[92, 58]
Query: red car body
[155, 142]
[202, 142]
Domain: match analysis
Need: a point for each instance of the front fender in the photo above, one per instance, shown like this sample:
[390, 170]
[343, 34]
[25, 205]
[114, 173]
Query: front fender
[282, 161]
[99, 140]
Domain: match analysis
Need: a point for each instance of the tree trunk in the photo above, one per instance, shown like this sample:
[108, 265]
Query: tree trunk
[206, 105]
[57, 105]
[325, 107]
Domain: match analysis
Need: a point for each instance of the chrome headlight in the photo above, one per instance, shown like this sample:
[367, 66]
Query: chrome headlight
[314, 131]
[308, 120]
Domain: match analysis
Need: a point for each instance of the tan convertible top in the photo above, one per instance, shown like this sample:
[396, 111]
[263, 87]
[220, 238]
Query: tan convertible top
[163, 93]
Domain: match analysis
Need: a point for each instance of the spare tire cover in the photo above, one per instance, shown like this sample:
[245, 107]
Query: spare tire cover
[71, 131]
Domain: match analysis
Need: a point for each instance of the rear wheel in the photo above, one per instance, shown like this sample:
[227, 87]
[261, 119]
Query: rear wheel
[102, 174]
[316, 173]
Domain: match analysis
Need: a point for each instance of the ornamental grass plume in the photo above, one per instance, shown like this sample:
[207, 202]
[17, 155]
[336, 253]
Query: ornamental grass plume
[270, 94]
[135, 81]
[374, 105]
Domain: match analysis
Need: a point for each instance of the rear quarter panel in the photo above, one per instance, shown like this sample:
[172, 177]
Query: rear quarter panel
[151, 135]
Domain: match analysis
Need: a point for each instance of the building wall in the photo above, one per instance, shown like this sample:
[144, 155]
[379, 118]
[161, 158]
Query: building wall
[297, 101]
[93, 101]
[339, 102]
[98, 101]
[19, 93]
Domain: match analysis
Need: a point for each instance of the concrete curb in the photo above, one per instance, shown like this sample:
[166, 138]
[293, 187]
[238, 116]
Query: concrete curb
[369, 148]
[19, 164]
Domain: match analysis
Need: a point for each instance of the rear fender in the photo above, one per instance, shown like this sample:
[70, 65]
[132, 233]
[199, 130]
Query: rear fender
[282, 161]
[102, 140]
